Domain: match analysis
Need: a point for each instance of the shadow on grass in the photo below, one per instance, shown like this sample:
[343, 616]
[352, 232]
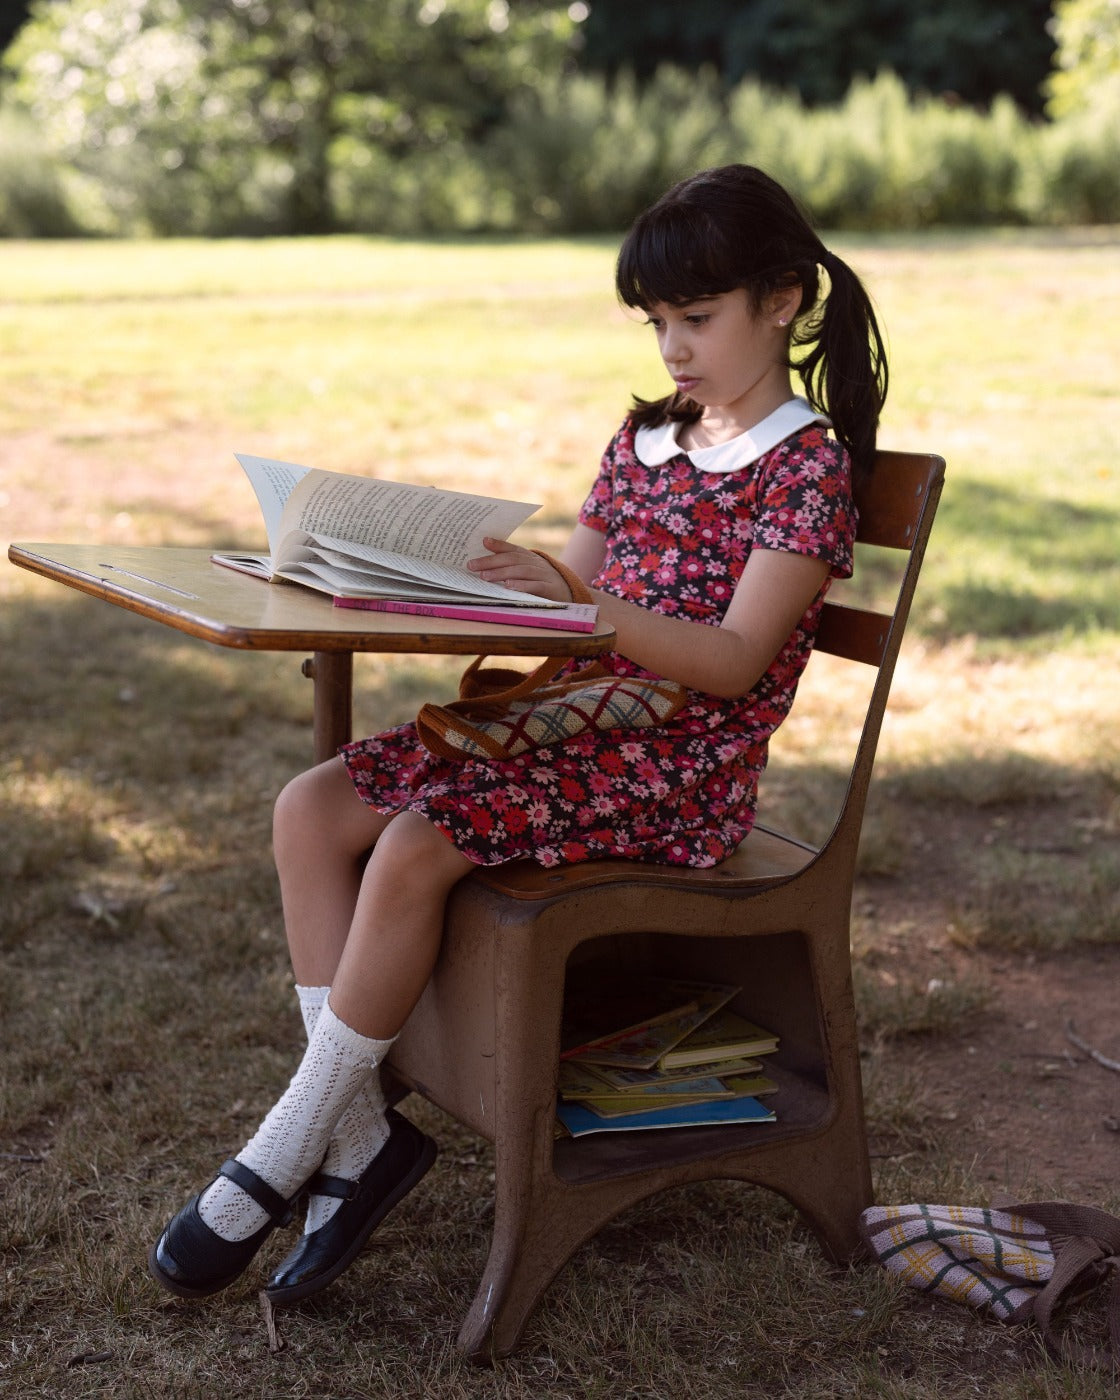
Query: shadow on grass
[1033, 566]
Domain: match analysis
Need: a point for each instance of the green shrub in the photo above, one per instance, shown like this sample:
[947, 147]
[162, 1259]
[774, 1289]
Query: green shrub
[581, 155]
[443, 190]
[1071, 171]
[33, 200]
[881, 160]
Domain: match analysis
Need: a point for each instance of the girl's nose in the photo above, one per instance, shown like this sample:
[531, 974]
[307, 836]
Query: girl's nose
[674, 348]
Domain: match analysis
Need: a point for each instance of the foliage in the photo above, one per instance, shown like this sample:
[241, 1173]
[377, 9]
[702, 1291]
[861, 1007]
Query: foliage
[33, 201]
[576, 155]
[976, 49]
[1071, 173]
[203, 118]
[880, 161]
[444, 116]
[1087, 63]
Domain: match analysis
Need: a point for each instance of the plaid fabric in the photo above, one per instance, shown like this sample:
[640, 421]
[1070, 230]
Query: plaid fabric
[550, 715]
[989, 1259]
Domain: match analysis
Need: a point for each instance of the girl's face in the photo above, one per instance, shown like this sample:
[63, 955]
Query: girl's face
[723, 355]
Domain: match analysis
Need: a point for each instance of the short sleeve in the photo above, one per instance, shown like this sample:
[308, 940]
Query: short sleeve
[598, 509]
[804, 502]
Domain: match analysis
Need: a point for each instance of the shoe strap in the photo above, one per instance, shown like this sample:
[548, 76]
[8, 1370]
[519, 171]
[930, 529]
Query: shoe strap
[278, 1209]
[338, 1186]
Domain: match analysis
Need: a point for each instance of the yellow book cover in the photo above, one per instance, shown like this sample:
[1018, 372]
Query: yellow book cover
[753, 1084]
[640, 1046]
[718, 1037]
[637, 1081]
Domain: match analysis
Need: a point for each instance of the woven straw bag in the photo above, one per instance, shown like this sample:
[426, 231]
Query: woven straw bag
[501, 713]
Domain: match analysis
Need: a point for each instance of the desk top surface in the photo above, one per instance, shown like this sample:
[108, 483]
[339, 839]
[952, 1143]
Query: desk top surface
[183, 589]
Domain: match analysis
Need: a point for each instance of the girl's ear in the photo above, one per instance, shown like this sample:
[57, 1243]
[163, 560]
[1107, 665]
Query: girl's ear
[785, 304]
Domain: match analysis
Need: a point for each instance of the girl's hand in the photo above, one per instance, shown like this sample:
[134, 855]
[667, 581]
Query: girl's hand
[514, 567]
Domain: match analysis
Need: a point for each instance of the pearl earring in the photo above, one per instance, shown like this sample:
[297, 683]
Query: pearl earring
[784, 321]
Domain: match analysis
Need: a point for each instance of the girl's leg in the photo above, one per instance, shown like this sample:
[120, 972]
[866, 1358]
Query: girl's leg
[381, 966]
[322, 832]
[386, 961]
[322, 835]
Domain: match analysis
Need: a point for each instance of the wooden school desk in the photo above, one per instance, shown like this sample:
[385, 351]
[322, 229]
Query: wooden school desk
[183, 589]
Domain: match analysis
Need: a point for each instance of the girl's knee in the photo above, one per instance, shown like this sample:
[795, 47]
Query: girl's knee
[412, 849]
[297, 803]
[315, 801]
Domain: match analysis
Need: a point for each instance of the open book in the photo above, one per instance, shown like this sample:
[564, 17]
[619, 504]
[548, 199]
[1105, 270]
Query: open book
[356, 537]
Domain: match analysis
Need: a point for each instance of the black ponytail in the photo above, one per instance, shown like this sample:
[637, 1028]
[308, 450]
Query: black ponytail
[844, 369]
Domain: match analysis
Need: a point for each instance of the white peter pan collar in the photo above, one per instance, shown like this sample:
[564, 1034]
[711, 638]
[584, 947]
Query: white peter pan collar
[656, 446]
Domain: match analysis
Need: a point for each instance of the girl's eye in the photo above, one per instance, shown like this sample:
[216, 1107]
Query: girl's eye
[698, 319]
[654, 322]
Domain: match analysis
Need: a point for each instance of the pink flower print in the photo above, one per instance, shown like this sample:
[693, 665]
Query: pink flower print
[482, 821]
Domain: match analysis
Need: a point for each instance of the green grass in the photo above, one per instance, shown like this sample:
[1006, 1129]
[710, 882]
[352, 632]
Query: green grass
[148, 1016]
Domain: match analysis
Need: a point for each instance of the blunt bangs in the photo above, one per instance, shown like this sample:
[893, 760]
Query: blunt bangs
[674, 255]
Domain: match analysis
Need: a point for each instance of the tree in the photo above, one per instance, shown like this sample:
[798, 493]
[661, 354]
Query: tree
[1087, 63]
[975, 49]
[213, 114]
[13, 14]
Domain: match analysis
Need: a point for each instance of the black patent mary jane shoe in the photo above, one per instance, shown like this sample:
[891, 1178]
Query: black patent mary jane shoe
[323, 1254]
[189, 1259]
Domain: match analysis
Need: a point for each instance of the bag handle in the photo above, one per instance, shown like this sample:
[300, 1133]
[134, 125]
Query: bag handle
[500, 687]
[1086, 1244]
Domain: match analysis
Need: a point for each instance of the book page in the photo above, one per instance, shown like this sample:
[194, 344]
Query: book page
[272, 483]
[421, 522]
[383, 571]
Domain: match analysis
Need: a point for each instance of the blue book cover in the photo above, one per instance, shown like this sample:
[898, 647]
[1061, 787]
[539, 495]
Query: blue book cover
[579, 1120]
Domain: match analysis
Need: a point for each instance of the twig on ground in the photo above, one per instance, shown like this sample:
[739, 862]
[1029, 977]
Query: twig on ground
[276, 1342]
[1083, 1045]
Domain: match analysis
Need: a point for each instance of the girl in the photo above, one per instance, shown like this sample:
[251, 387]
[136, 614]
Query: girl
[719, 516]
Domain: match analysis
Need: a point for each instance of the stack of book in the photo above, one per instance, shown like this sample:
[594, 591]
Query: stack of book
[666, 1053]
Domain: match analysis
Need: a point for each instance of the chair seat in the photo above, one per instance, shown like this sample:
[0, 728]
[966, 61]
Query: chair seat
[764, 857]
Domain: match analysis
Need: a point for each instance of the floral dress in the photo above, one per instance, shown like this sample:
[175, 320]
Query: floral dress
[683, 793]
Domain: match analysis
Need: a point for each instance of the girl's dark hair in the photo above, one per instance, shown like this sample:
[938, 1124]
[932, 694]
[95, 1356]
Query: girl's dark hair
[734, 227]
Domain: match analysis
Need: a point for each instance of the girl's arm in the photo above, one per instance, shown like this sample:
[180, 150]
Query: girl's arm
[770, 599]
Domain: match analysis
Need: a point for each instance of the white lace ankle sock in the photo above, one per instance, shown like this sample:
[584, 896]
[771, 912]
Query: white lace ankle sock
[361, 1132]
[292, 1140]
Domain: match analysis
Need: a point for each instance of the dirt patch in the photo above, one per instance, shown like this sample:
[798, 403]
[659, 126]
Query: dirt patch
[1013, 1096]
[1016, 1097]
